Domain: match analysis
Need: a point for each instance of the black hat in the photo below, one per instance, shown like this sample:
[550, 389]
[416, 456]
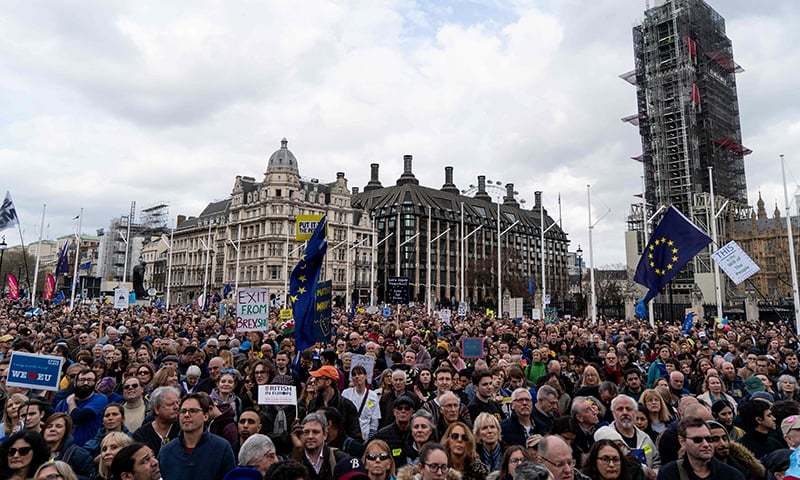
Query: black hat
[404, 400]
[349, 469]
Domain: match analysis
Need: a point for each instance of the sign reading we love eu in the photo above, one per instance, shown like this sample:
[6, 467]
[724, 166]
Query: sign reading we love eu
[37, 372]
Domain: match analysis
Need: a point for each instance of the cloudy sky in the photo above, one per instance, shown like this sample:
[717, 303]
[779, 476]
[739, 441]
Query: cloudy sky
[104, 102]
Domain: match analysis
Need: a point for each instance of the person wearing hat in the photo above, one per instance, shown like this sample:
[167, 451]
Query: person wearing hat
[395, 433]
[776, 463]
[327, 395]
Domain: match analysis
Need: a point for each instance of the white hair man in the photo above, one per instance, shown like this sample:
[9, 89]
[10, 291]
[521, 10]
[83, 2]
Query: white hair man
[642, 447]
[258, 452]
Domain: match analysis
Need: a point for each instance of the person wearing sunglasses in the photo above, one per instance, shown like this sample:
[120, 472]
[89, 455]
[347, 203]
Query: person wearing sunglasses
[396, 432]
[22, 454]
[459, 443]
[698, 460]
[378, 461]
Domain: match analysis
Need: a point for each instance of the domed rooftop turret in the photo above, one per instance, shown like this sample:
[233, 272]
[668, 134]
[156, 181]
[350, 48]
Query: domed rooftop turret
[283, 160]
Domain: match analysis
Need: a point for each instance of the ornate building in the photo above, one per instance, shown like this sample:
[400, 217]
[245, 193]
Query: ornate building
[765, 240]
[259, 219]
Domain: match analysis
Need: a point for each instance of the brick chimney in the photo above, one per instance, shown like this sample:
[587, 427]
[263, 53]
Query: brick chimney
[449, 186]
[481, 193]
[509, 200]
[373, 183]
[408, 174]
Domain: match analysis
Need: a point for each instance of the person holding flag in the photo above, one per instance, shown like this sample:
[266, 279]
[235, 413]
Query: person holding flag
[303, 289]
[674, 242]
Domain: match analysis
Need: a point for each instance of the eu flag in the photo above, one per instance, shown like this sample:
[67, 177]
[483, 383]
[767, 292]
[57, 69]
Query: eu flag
[303, 287]
[674, 242]
[62, 267]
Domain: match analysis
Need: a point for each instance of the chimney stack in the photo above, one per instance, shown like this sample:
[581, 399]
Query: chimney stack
[180, 219]
[408, 175]
[509, 200]
[355, 190]
[537, 200]
[339, 175]
[481, 193]
[373, 183]
[449, 186]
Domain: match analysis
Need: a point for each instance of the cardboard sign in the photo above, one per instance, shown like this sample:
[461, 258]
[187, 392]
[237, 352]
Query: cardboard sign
[37, 372]
[445, 315]
[736, 264]
[536, 314]
[286, 314]
[252, 310]
[472, 347]
[277, 395]
[121, 298]
[365, 361]
[304, 226]
[462, 309]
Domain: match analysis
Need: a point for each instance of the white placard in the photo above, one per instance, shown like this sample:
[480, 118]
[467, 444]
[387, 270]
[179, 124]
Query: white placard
[462, 309]
[536, 314]
[445, 315]
[365, 361]
[547, 299]
[121, 298]
[277, 395]
[515, 308]
[252, 310]
[735, 262]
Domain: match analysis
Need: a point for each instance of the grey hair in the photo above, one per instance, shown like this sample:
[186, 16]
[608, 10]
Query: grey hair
[316, 417]
[519, 391]
[546, 391]
[422, 413]
[157, 397]
[193, 371]
[786, 377]
[578, 405]
[528, 470]
[255, 447]
[623, 398]
[400, 373]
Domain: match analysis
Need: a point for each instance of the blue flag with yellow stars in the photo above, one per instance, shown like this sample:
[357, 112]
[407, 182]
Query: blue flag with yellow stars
[674, 242]
[303, 287]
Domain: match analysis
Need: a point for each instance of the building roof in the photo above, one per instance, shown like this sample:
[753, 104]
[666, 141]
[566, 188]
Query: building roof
[283, 160]
[213, 209]
[448, 204]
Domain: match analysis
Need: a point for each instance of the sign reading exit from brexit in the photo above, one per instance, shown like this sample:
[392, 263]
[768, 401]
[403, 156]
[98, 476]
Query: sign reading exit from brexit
[37, 372]
[252, 310]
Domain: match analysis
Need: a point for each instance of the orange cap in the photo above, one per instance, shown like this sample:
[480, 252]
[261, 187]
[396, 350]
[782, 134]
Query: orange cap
[326, 371]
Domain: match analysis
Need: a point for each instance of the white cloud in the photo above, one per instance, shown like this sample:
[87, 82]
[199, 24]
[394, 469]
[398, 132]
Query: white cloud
[107, 102]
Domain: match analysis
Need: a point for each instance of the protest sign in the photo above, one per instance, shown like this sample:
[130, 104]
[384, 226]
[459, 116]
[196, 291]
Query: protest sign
[305, 226]
[397, 290]
[277, 395]
[252, 310]
[286, 314]
[462, 309]
[37, 372]
[365, 361]
[735, 262]
[445, 315]
[121, 298]
[472, 347]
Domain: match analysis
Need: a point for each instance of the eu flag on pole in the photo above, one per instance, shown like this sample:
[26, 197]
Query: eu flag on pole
[62, 267]
[303, 287]
[674, 242]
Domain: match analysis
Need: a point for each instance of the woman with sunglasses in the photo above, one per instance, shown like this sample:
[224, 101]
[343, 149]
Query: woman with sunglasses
[145, 376]
[459, 443]
[57, 432]
[513, 456]
[378, 461]
[22, 454]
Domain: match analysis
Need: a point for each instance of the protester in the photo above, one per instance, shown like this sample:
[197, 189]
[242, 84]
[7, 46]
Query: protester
[21, 454]
[459, 443]
[378, 461]
[698, 460]
[58, 436]
[111, 444]
[136, 462]
[258, 452]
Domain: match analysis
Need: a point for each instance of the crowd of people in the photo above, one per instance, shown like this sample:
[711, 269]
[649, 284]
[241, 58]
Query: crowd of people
[147, 394]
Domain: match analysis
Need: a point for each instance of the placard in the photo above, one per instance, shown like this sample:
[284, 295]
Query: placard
[37, 372]
[536, 314]
[252, 310]
[277, 395]
[736, 264]
[121, 298]
[365, 361]
[304, 226]
[387, 312]
[445, 314]
[462, 309]
[286, 314]
[397, 291]
[472, 347]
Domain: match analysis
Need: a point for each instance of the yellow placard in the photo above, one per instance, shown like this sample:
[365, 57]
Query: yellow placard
[286, 314]
[305, 225]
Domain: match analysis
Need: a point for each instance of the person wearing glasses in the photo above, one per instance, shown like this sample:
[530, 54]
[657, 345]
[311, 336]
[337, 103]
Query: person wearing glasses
[21, 454]
[459, 443]
[196, 453]
[606, 461]
[135, 407]
[433, 465]
[512, 458]
[698, 460]
[55, 470]
[378, 461]
[556, 455]
[85, 406]
[164, 426]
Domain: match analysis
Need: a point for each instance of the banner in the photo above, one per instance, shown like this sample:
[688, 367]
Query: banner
[121, 298]
[736, 264]
[252, 310]
[13, 286]
[472, 347]
[37, 372]
[277, 395]
[397, 290]
[286, 314]
[49, 287]
[365, 361]
[304, 226]
[322, 318]
[8, 214]
[303, 287]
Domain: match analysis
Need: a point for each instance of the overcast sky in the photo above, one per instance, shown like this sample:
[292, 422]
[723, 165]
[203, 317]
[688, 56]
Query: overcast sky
[104, 102]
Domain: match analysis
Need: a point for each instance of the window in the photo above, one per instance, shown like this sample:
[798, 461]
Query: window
[277, 192]
[274, 272]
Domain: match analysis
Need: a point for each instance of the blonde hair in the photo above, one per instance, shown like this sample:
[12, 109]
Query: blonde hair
[63, 469]
[122, 439]
[385, 448]
[17, 398]
[586, 370]
[663, 414]
[483, 419]
[227, 358]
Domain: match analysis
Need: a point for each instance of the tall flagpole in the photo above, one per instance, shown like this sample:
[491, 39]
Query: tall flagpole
[792, 261]
[591, 255]
[38, 252]
[462, 256]
[544, 257]
[77, 259]
[717, 285]
[428, 266]
[169, 261]
[499, 313]
[372, 264]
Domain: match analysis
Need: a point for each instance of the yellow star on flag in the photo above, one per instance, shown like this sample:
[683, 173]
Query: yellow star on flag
[652, 248]
[650, 255]
[663, 239]
[302, 278]
[658, 241]
[301, 290]
[669, 266]
[293, 298]
[670, 243]
[652, 264]
[674, 259]
[674, 250]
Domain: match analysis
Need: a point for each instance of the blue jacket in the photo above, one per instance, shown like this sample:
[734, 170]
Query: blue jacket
[87, 418]
[211, 459]
[78, 458]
